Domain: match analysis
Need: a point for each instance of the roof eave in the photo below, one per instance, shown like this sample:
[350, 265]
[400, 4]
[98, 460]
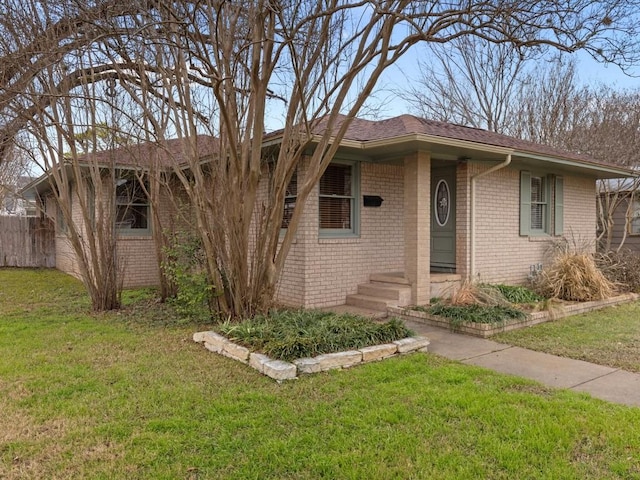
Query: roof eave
[611, 171]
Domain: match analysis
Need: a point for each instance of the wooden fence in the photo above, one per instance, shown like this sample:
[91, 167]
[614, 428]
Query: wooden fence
[27, 242]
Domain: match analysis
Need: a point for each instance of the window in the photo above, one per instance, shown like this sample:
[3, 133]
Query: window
[634, 221]
[538, 203]
[132, 205]
[61, 221]
[63, 226]
[91, 201]
[290, 200]
[541, 204]
[338, 208]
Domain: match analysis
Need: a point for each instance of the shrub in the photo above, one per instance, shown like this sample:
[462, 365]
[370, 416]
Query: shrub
[621, 268]
[459, 314]
[518, 294]
[290, 334]
[185, 267]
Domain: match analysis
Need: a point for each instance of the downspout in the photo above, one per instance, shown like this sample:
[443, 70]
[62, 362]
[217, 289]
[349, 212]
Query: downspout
[472, 255]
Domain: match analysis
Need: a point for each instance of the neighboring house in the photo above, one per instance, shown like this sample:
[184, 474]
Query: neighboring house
[416, 206]
[623, 198]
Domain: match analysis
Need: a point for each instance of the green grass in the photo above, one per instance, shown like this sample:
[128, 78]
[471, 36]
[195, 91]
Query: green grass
[608, 337]
[128, 395]
[291, 334]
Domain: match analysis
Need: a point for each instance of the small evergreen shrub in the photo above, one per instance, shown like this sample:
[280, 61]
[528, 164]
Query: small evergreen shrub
[518, 294]
[459, 314]
[185, 268]
[291, 334]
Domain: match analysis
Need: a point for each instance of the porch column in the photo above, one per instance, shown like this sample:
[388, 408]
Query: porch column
[417, 225]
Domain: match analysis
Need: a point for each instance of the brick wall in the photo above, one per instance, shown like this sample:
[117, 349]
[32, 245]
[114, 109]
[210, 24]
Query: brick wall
[138, 262]
[331, 268]
[502, 255]
[136, 254]
[66, 260]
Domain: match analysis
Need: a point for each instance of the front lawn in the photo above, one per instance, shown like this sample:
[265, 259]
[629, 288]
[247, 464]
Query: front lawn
[129, 395]
[608, 337]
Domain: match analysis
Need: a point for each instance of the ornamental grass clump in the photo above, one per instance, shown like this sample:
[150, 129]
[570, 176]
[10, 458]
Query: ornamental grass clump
[477, 294]
[291, 334]
[574, 276]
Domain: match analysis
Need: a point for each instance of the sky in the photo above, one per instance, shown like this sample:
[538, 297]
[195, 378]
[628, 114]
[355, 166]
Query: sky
[387, 103]
[589, 72]
[592, 72]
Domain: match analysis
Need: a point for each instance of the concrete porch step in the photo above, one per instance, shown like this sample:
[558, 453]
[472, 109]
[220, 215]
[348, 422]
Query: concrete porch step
[369, 302]
[392, 277]
[401, 294]
[444, 285]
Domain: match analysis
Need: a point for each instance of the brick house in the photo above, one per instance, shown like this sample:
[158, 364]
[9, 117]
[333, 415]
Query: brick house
[136, 246]
[409, 207]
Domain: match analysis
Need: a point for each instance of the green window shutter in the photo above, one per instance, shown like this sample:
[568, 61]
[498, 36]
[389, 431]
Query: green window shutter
[525, 202]
[559, 207]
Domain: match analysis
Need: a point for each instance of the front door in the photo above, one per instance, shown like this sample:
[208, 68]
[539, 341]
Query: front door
[443, 219]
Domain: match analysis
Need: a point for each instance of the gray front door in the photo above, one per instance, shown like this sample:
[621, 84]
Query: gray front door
[443, 219]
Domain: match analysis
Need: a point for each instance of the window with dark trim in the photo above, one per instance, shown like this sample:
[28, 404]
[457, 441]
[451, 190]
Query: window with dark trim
[132, 204]
[541, 204]
[62, 225]
[61, 221]
[290, 200]
[338, 206]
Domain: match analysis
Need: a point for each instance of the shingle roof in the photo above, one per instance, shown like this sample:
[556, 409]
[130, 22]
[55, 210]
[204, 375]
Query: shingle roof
[144, 154]
[371, 130]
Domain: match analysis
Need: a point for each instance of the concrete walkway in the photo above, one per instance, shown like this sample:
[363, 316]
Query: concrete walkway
[606, 383]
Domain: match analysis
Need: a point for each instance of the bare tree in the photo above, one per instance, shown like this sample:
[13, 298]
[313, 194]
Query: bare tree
[12, 170]
[69, 142]
[548, 103]
[469, 81]
[217, 67]
[609, 129]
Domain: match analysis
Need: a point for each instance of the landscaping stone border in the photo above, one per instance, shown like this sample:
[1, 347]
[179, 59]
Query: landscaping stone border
[280, 370]
[485, 330]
